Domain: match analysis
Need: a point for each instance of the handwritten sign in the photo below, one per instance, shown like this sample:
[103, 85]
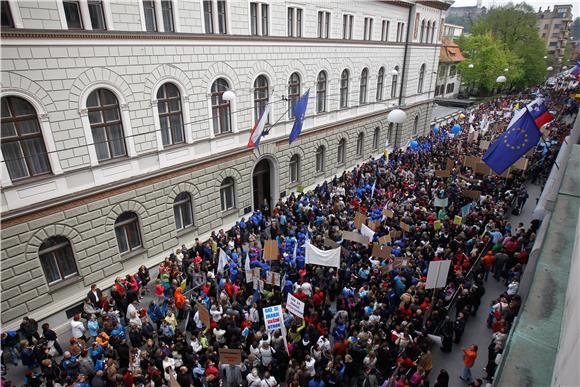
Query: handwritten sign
[442, 173]
[359, 219]
[405, 227]
[300, 188]
[457, 220]
[355, 237]
[388, 212]
[230, 356]
[381, 251]
[203, 314]
[441, 202]
[449, 164]
[295, 306]
[483, 169]
[374, 224]
[437, 225]
[521, 164]
[273, 278]
[471, 161]
[385, 239]
[271, 250]
[330, 243]
[472, 194]
[273, 318]
[483, 145]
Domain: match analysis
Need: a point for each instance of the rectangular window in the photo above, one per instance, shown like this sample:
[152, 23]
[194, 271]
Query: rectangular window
[298, 22]
[290, 21]
[320, 23]
[368, 28]
[347, 22]
[385, 31]
[7, 20]
[149, 11]
[254, 18]
[323, 24]
[97, 15]
[167, 12]
[208, 16]
[294, 170]
[265, 20]
[72, 11]
[222, 20]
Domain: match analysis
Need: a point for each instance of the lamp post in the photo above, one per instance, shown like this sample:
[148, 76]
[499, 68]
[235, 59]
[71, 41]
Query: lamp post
[397, 116]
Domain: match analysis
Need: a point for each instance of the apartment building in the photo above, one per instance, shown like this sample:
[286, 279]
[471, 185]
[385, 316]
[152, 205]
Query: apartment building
[554, 26]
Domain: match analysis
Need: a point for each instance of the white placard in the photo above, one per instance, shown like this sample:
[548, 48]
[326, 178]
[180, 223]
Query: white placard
[437, 274]
[315, 256]
[295, 306]
[273, 317]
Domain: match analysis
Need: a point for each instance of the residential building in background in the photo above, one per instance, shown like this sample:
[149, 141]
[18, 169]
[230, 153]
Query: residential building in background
[125, 123]
[448, 79]
[452, 31]
[554, 28]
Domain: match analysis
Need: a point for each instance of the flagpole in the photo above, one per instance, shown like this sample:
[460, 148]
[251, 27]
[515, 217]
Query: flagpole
[266, 132]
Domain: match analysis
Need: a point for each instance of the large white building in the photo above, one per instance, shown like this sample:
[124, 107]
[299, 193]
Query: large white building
[118, 144]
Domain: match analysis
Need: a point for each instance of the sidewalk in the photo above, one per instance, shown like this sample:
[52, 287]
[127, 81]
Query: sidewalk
[476, 331]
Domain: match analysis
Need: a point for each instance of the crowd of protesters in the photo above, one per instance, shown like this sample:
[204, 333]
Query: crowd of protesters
[370, 322]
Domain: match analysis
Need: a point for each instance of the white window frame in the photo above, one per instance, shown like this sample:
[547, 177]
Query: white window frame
[233, 114]
[270, 91]
[385, 27]
[45, 129]
[360, 144]
[350, 26]
[323, 33]
[259, 15]
[125, 119]
[190, 209]
[376, 135]
[368, 28]
[16, 16]
[214, 16]
[223, 202]
[184, 111]
[295, 9]
[86, 16]
[341, 152]
[297, 167]
[322, 157]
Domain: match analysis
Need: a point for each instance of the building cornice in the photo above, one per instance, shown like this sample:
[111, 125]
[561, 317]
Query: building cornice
[49, 207]
[441, 5]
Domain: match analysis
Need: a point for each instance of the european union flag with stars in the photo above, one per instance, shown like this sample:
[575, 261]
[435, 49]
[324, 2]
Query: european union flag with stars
[522, 135]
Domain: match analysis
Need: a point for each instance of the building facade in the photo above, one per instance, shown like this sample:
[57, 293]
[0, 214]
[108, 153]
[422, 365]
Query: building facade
[554, 26]
[448, 78]
[126, 123]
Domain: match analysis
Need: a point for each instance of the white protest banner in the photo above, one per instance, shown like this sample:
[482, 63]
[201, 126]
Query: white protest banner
[315, 256]
[273, 317]
[441, 202]
[295, 306]
[367, 231]
[437, 274]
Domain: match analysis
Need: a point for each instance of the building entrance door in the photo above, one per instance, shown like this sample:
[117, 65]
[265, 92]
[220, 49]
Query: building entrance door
[262, 185]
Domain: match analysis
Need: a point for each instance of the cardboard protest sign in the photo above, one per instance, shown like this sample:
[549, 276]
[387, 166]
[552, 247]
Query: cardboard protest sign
[405, 227]
[457, 220]
[255, 283]
[400, 262]
[437, 274]
[374, 224]
[522, 164]
[230, 356]
[449, 164]
[483, 145]
[385, 239]
[396, 234]
[294, 306]
[381, 251]
[271, 250]
[471, 161]
[261, 284]
[273, 317]
[273, 278]
[203, 314]
[359, 219]
[355, 237]
[249, 276]
[472, 194]
[437, 225]
[483, 169]
[441, 202]
[442, 173]
[388, 212]
[466, 209]
[330, 243]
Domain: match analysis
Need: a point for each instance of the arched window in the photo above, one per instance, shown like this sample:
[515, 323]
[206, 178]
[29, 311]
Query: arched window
[57, 259]
[394, 82]
[227, 194]
[22, 142]
[344, 88]
[364, 75]
[321, 92]
[170, 115]
[261, 96]
[416, 125]
[320, 159]
[106, 125]
[428, 31]
[376, 135]
[433, 32]
[293, 92]
[422, 31]
[421, 78]
[380, 82]
[183, 211]
[220, 109]
[295, 169]
[390, 133]
[127, 231]
[341, 152]
[360, 144]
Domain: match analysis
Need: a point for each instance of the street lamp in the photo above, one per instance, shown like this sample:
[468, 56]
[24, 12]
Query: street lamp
[471, 65]
[549, 68]
[397, 116]
[501, 79]
[506, 70]
[545, 56]
[394, 72]
[228, 95]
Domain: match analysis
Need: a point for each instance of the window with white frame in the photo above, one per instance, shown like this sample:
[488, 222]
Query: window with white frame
[344, 79]
[261, 96]
[208, 16]
[321, 92]
[341, 152]
[385, 30]
[294, 169]
[170, 114]
[364, 75]
[57, 259]
[227, 194]
[222, 17]
[347, 22]
[215, 16]
[106, 125]
[323, 24]
[452, 71]
[360, 144]
[368, 28]
[72, 12]
[394, 81]
[400, 32]
[293, 93]
[6, 13]
[183, 211]
[390, 132]
[221, 110]
[150, 17]
[380, 84]
[23, 146]
[294, 22]
[265, 19]
[127, 232]
[254, 18]
[416, 125]
[259, 19]
[433, 32]
[422, 31]
[421, 79]
[167, 15]
[376, 134]
[97, 15]
[320, 158]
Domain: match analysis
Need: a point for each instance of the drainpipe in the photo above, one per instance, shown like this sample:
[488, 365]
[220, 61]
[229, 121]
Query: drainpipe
[398, 127]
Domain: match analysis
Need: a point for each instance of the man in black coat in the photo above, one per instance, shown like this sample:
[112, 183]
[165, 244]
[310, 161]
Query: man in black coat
[184, 377]
[95, 295]
[50, 335]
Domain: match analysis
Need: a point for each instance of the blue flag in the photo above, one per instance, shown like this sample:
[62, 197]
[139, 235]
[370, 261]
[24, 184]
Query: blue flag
[519, 137]
[299, 110]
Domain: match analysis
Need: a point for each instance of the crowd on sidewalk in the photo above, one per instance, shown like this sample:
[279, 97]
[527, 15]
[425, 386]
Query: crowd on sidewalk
[367, 322]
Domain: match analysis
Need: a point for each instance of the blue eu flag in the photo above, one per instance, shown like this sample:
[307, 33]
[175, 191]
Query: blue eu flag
[299, 110]
[519, 137]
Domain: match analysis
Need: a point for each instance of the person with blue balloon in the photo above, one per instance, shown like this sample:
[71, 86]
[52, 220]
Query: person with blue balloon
[456, 129]
[436, 130]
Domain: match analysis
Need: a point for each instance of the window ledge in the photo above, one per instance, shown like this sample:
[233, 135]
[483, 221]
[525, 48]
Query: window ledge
[32, 179]
[230, 211]
[134, 253]
[186, 230]
[112, 161]
[174, 146]
[65, 283]
[223, 135]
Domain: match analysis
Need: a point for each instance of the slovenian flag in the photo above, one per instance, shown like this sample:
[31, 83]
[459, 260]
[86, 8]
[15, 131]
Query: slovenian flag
[258, 128]
[538, 110]
[576, 70]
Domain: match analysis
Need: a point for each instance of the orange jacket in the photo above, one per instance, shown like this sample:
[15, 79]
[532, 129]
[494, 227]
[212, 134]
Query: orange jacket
[488, 260]
[469, 357]
[179, 298]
